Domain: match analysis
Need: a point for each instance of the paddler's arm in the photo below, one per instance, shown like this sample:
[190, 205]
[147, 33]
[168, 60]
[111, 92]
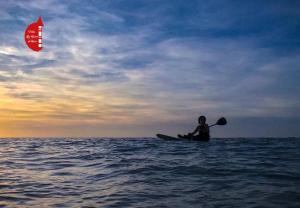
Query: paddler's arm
[195, 131]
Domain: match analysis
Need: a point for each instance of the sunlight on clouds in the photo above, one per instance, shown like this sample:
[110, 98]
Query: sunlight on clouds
[7, 50]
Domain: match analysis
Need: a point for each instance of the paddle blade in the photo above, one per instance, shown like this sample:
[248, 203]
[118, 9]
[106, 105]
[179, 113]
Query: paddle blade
[222, 121]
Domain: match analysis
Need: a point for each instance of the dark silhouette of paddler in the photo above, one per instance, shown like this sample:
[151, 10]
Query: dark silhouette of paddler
[200, 133]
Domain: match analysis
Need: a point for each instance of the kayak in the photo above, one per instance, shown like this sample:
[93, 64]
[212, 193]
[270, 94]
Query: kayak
[203, 137]
[166, 137]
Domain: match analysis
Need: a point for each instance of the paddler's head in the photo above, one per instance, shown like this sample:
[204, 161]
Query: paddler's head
[202, 120]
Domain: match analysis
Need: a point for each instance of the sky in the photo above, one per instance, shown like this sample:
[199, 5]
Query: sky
[140, 67]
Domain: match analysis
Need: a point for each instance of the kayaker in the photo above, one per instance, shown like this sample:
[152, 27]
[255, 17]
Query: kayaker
[201, 132]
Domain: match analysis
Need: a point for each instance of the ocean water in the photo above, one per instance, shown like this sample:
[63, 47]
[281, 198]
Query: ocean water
[149, 172]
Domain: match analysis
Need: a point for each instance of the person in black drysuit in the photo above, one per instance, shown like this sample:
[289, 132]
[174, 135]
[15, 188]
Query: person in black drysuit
[200, 133]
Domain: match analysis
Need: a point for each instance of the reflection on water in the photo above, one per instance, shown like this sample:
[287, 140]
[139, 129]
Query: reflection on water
[149, 173]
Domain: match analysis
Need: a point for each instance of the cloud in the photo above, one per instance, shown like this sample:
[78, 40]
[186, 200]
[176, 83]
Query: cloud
[4, 78]
[27, 95]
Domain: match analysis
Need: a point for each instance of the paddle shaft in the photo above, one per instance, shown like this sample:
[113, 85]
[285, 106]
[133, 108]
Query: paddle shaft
[222, 121]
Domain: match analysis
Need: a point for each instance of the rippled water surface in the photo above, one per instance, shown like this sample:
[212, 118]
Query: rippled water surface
[149, 173]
